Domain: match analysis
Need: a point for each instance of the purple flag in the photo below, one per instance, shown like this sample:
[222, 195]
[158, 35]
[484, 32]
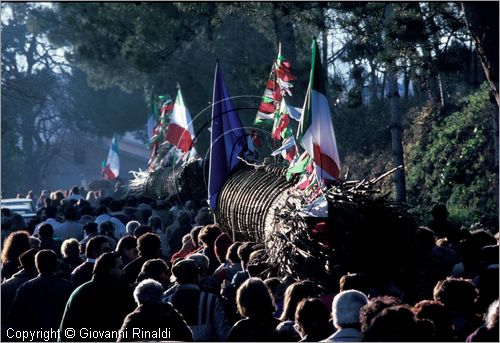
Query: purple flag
[228, 139]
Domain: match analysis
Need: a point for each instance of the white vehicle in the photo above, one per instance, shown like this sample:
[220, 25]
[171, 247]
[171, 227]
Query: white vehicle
[24, 207]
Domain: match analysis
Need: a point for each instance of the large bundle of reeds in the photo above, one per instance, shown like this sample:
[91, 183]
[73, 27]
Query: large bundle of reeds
[364, 232]
[249, 199]
[183, 183]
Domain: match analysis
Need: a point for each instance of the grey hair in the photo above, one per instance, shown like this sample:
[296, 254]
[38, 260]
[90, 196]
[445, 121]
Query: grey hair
[148, 291]
[346, 307]
[201, 260]
[492, 315]
[131, 226]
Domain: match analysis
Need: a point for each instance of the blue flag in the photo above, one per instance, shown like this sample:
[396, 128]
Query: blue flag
[228, 138]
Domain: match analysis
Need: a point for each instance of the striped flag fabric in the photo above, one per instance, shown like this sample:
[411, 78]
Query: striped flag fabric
[266, 107]
[278, 85]
[227, 138]
[315, 133]
[288, 150]
[111, 168]
[180, 130]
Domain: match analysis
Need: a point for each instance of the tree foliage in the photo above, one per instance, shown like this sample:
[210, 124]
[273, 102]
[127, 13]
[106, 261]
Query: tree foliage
[452, 164]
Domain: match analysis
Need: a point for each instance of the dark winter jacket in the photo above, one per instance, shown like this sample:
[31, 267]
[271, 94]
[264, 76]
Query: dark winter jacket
[100, 304]
[39, 303]
[155, 317]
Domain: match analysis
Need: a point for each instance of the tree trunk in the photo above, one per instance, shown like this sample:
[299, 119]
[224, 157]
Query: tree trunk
[283, 29]
[324, 52]
[373, 82]
[482, 22]
[396, 127]
[382, 88]
[495, 142]
[431, 82]
[406, 83]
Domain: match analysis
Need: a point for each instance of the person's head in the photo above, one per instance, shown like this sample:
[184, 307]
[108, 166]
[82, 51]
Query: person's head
[70, 248]
[232, 253]
[456, 294]
[248, 292]
[155, 222]
[71, 213]
[107, 265]
[257, 262]
[149, 245]
[346, 306]
[46, 261]
[75, 190]
[186, 238]
[127, 247]
[18, 222]
[155, 269]
[492, 316]
[91, 196]
[208, 235]
[244, 251]
[35, 242]
[483, 238]
[6, 212]
[203, 217]
[222, 244]
[185, 272]
[86, 218]
[90, 228]
[437, 313]
[189, 205]
[107, 228]
[424, 239]
[195, 231]
[393, 324]
[131, 226]
[148, 291]
[353, 281]
[439, 213]
[311, 315]
[277, 288]
[46, 231]
[142, 230]
[202, 261]
[27, 258]
[294, 294]
[101, 210]
[184, 218]
[144, 214]
[96, 246]
[14, 245]
[115, 205]
[50, 211]
[374, 307]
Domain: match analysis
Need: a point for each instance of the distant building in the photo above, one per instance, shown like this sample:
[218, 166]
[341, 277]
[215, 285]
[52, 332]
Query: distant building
[79, 161]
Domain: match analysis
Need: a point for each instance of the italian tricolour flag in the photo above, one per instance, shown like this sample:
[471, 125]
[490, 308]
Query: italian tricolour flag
[111, 168]
[315, 133]
[180, 130]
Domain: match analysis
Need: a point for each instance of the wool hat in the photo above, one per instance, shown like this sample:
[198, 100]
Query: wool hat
[27, 258]
[185, 271]
[346, 306]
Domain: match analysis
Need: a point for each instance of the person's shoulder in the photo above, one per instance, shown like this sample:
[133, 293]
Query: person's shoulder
[241, 324]
[28, 285]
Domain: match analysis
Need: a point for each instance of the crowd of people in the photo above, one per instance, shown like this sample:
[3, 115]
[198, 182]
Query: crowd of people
[125, 268]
